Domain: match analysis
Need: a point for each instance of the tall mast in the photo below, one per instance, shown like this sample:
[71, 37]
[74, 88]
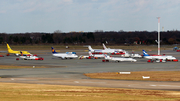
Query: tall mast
[158, 35]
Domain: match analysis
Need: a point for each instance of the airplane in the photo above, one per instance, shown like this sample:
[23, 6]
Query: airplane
[158, 58]
[92, 56]
[29, 57]
[17, 53]
[176, 49]
[67, 55]
[96, 56]
[118, 50]
[135, 56]
[132, 55]
[95, 51]
[103, 51]
[121, 52]
[117, 59]
[115, 51]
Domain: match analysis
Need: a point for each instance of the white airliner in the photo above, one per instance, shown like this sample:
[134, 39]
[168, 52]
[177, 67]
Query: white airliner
[122, 52]
[158, 58]
[132, 55]
[29, 57]
[67, 55]
[96, 55]
[118, 59]
[92, 56]
[100, 51]
[115, 50]
[104, 51]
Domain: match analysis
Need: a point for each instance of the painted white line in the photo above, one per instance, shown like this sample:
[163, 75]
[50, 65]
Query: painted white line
[146, 77]
[164, 85]
[124, 72]
[153, 85]
[76, 81]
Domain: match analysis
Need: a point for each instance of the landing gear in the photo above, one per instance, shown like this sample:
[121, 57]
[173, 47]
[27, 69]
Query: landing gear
[105, 60]
[150, 61]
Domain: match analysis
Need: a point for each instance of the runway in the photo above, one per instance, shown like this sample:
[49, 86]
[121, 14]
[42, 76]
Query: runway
[70, 72]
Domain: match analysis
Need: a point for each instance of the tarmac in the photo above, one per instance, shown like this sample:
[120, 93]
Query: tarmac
[70, 71]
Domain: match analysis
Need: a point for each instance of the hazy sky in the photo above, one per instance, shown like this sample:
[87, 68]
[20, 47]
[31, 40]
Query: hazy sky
[20, 16]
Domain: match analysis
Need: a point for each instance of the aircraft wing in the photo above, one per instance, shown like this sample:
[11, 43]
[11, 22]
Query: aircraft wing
[62, 57]
[23, 57]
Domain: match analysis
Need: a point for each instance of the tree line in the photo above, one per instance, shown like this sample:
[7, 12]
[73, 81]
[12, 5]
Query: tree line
[95, 38]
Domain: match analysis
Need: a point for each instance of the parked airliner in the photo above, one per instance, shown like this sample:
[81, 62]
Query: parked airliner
[91, 56]
[17, 53]
[30, 57]
[67, 55]
[105, 51]
[158, 58]
[117, 59]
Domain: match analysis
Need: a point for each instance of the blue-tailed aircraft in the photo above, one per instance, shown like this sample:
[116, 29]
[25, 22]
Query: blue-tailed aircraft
[67, 55]
[158, 58]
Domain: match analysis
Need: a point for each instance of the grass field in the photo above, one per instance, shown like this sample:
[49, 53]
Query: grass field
[154, 75]
[36, 92]
[23, 67]
[76, 47]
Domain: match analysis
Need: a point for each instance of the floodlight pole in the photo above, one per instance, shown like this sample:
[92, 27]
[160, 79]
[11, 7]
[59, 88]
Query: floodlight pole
[158, 35]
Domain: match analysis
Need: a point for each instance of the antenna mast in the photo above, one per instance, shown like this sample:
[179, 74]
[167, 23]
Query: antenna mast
[158, 35]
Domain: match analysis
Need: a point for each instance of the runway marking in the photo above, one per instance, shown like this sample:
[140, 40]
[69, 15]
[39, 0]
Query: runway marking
[164, 85]
[153, 85]
[124, 72]
[76, 81]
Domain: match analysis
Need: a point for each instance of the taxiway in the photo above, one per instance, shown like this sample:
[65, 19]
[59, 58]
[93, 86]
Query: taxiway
[70, 72]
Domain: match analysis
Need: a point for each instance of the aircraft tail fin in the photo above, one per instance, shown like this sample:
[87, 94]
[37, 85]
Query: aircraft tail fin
[90, 48]
[90, 54]
[21, 53]
[9, 48]
[145, 53]
[104, 46]
[53, 50]
[107, 56]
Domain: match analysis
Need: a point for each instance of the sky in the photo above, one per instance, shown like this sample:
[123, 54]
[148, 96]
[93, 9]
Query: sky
[22, 16]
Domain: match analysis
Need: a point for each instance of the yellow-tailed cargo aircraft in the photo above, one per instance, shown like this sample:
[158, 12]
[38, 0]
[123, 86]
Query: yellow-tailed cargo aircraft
[10, 51]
